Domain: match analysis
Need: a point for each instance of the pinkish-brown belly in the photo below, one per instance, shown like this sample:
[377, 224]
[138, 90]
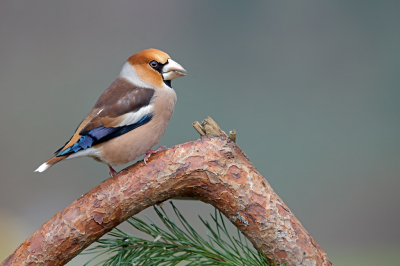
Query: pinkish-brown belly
[131, 145]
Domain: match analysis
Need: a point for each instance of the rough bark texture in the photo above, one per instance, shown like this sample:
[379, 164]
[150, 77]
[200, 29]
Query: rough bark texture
[214, 169]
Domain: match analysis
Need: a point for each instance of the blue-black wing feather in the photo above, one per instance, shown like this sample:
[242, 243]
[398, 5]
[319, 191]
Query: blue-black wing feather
[101, 134]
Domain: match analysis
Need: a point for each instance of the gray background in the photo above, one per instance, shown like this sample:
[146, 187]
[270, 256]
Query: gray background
[312, 88]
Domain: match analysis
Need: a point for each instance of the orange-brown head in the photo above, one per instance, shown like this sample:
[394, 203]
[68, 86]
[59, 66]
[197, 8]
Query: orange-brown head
[153, 68]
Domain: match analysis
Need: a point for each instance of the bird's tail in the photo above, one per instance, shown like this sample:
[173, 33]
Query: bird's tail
[53, 160]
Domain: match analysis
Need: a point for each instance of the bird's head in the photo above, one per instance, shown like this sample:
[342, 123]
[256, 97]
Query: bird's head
[152, 67]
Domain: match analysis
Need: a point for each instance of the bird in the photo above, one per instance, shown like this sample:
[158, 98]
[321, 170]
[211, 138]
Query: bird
[130, 116]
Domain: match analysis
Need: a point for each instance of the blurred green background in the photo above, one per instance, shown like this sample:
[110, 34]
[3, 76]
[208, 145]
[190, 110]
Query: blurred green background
[311, 87]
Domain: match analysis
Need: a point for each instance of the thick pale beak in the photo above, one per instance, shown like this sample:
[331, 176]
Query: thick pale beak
[173, 70]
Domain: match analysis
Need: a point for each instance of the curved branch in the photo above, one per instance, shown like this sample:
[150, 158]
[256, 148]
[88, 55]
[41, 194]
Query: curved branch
[214, 169]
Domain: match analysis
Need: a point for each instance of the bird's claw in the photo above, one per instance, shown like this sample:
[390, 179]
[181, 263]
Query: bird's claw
[112, 171]
[150, 152]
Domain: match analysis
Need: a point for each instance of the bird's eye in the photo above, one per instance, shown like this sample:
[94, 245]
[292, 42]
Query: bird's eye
[153, 64]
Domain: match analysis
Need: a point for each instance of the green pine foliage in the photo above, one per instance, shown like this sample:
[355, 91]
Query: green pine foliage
[177, 245]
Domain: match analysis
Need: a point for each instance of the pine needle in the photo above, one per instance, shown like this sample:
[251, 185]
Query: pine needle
[176, 244]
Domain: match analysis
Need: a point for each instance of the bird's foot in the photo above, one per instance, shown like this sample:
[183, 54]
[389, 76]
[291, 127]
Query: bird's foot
[150, 152]
[112, 171]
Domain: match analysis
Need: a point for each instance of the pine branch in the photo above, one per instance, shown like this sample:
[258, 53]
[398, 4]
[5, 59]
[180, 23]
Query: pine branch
[214, 169]
[176, 245]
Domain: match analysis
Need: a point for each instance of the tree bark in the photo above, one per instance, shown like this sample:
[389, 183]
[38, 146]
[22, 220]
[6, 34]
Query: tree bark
[213, 169]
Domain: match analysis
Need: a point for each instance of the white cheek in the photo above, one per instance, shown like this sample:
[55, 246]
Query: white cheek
[129, 73]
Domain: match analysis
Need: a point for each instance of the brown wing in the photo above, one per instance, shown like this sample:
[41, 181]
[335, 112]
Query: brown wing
[120, 99]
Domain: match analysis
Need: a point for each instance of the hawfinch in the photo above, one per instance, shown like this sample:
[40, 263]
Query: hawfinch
[130, 116]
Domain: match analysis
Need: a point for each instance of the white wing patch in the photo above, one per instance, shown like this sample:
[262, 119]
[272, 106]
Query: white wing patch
[134, 117]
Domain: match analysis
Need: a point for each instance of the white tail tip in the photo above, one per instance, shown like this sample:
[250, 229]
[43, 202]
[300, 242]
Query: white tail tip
[43, 168]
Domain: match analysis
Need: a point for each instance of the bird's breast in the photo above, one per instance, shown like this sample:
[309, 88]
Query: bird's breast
[131, 145]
